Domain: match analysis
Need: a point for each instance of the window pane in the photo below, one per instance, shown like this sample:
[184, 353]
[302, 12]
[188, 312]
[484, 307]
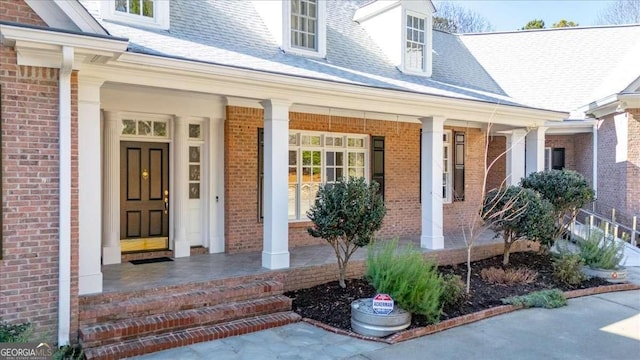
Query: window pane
[339, 173]
[331, 175]
[194, 131]
[306, 174]
[121, 5]
[194, 172]
[340, 159]
[160, 129]
[134, 7]
[144, 128]
[194, 191]
[317, 160]
[293, 175]
[293, 139]
[194, 154]
[128, 127]
[306, 157]
[317, 176]
[330, 158]
[293, 157]
[312, 10]
[360, 159]
[147, 8]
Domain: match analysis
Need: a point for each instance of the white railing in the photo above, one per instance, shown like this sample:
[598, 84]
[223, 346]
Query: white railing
[609, 226]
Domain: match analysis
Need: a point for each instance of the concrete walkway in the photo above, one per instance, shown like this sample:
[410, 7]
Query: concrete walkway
[605, 326]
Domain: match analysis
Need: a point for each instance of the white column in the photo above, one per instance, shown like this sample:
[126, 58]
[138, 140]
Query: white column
[535, 150]
[180, 196]
[515, 156]
[431, 167]
[111, 193]
[275, 251]
[90, 189]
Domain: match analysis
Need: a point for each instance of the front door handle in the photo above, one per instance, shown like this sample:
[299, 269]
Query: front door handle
[166, 201]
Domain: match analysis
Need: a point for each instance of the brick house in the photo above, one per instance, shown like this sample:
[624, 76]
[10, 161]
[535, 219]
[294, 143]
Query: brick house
[207, 127]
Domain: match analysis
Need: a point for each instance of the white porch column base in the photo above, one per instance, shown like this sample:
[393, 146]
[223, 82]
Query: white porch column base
[90, 284]
[275, 250]
[535, 140]
[111, 255]
[275, 260]
[431, 168]
[515, 156]
[181, 249]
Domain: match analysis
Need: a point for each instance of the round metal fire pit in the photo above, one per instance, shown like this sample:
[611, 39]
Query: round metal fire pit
[366, 322]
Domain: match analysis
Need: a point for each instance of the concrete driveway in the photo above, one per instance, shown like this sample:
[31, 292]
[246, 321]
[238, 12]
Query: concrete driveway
[597, 327]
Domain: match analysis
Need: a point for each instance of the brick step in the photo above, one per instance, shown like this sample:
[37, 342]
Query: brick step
[111, 332]
[145, 303]
[153, 343]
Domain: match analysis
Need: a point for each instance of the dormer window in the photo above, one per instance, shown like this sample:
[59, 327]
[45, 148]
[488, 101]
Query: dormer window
[304, 27]
[304, 24]
[147, 13]
[414, 57]
[135, 7]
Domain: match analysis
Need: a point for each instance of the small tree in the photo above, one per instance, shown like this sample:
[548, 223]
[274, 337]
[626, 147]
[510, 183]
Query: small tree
[347, 214]
[534, 24]
[566, 190]
[524, 214]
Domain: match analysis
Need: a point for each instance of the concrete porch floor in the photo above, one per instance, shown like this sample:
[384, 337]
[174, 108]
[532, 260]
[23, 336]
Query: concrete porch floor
[129, 277]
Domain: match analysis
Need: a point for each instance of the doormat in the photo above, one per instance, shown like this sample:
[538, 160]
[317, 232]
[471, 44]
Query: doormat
[149, 261]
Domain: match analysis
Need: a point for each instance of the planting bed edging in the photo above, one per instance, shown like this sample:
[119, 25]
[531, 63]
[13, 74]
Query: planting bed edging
[466, 319]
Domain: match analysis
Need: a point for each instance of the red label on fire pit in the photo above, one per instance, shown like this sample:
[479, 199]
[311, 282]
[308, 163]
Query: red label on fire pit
[382, 304]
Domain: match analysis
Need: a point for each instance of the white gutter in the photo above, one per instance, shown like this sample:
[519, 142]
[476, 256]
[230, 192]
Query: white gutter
[64, 274]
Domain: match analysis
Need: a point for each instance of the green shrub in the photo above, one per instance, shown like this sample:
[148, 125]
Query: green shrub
[69, 352]
[412, 281]
[567, 190]
[453, 290]
[598, 252]
[518, 213]
[15, 332]
[347, 214]
[567, 269]
[548, 299]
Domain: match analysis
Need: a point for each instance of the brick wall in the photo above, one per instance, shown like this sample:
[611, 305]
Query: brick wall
[633, 164]
[612, 175]
[29, 267]
[497, 173]
[583, 155]
[243, 232]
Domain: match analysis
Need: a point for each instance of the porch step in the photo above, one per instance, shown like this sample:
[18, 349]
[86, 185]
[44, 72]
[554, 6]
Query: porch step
[112, 307]
[152, 343]
[130, 328]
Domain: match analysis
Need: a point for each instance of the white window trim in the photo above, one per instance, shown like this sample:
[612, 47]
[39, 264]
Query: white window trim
[447, 148]
[428, 23]
[160, 18]
[321, 36]
[323, 148]
[548, 160]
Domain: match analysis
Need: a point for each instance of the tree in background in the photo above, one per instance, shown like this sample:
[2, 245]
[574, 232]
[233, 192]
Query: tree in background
[564, 23]
[621, 12]
[534, 24]
[456, 19]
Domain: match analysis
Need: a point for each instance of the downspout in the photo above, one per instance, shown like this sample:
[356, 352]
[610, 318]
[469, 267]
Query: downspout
[595, 159]
[64, 273]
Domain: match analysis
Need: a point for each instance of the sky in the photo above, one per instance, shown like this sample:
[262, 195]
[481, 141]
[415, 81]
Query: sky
[508, 15]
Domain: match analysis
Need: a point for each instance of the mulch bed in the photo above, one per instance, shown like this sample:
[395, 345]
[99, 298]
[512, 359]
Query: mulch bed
[331, 305]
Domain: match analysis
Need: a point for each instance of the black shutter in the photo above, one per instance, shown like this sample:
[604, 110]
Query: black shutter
[260, 174]
[557, 158]
[458, 174]
[377, 162]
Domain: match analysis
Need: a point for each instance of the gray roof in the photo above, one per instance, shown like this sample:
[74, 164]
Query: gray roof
[559, 69]
[228, 32]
